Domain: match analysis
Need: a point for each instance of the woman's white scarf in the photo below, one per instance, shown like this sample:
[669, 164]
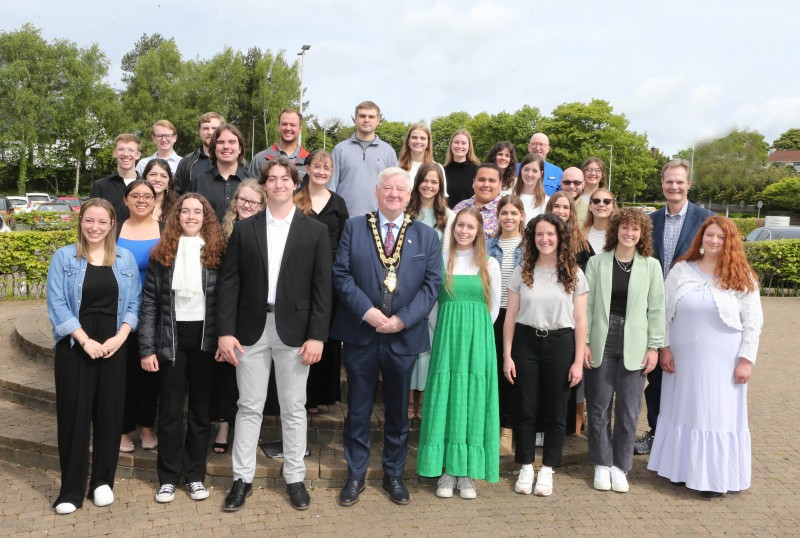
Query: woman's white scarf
[187, 278]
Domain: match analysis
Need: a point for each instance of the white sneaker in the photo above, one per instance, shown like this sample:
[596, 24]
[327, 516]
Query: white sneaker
[103, 496]
[466, 489]
[524, 483]
[539, 439]
[619, 480]
[197, 491]
[446, 484]
[544, 486]
[165, 493]
[65, 508]
[602, 478]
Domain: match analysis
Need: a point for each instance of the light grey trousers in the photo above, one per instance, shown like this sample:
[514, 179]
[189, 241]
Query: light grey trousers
[252, 376]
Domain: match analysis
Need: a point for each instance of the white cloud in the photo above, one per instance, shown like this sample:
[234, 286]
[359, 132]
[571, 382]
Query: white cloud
[770, 117]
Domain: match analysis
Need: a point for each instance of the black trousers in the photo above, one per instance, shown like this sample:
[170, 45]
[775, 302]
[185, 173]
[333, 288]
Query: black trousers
[652, 395]
[141, 390]
[542, 364]
[193, 371]
[90, 397]
[505, 390]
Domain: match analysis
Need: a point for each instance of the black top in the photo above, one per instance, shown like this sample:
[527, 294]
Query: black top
[619, 288]
[460, 177]
[582, 257]
[333, 215]
[98, 310]
[112, 189]
[217, 190]
[189, 168]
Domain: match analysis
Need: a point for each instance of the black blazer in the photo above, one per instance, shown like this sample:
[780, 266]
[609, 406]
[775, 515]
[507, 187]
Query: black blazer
[303, 297]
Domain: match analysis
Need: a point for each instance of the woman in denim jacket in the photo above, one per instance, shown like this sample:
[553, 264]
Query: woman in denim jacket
[93, 296]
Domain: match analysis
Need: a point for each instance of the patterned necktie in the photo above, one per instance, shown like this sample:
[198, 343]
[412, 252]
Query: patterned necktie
[388, 243]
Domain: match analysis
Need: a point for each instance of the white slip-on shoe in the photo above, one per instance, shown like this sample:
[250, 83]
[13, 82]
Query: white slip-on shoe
[65, 508]
[619, 480]
[602, 478]
[103, 496]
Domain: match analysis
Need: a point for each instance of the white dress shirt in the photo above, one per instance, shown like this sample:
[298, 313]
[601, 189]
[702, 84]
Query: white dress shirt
[277, 232]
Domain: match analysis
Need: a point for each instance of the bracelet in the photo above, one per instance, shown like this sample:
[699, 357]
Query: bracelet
[85, 342]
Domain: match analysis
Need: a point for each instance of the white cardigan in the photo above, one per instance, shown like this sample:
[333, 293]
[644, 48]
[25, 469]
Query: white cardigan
[738, 310]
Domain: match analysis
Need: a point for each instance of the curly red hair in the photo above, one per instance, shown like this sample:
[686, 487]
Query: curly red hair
[733, 270]
[211, 232]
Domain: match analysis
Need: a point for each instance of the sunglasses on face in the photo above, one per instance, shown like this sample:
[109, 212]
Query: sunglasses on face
[604, 201]
[571, 182]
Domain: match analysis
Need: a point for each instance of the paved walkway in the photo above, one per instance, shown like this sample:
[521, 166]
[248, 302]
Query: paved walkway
[653, 506]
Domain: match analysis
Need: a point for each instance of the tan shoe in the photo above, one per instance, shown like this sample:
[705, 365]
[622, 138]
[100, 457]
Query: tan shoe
[506, 437]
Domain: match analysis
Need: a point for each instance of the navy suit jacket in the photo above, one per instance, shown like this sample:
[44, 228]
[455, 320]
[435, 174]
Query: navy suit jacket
[695, 216]
[358, 280]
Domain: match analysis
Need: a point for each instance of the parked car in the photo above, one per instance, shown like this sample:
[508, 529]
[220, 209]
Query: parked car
[3, 226]
[37, 198]
[767, 233]
[74, 203]
[7, 211]
[21, 204]
[54, 207]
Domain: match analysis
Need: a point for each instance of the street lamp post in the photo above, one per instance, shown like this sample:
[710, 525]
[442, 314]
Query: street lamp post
[302, 55]
[610, 166]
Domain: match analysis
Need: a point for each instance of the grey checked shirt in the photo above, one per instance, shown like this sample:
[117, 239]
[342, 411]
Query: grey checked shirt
[672, 231]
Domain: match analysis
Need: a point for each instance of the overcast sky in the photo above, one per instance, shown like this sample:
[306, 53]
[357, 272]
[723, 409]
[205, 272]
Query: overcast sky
[679, 70]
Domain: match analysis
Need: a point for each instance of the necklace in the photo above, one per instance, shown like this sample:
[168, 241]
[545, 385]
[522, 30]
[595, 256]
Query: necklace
[625, 266]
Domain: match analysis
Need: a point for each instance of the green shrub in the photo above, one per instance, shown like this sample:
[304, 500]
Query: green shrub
[25, 259]
[747, 224]
[46, 221]
[776, 262]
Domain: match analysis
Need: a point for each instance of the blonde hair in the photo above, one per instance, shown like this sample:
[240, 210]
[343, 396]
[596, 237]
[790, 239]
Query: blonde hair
[110, 241]
[232, 215]
[478, 256]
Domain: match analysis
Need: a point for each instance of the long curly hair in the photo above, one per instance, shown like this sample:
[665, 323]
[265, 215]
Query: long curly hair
[577, 243]
[439, 201]
[733, 271]
[631, 215]
[211, 232]
[168, 200]
[233, 213]
[509, 174]
[478, 256]
[566, 266]
[404, 159]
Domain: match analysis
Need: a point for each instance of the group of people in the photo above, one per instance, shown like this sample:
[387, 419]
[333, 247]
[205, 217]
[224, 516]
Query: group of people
[497, 302]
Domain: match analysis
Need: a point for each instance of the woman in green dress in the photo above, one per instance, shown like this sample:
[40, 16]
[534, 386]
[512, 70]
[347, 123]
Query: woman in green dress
[460, 420]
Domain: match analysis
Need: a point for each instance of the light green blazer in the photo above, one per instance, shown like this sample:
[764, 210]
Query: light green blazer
[644, 316]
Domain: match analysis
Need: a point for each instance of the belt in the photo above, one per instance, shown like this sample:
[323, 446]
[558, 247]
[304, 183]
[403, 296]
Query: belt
[544, 333]
[270, 308]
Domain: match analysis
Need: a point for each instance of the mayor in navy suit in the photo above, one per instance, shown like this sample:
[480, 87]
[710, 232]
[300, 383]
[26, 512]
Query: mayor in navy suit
[387, 274]
[674, 228]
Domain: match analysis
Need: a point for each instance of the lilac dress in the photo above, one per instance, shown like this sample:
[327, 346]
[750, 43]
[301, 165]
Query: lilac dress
[702, 436]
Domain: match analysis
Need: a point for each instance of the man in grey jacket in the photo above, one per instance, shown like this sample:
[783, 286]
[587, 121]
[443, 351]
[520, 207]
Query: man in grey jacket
[358, 160]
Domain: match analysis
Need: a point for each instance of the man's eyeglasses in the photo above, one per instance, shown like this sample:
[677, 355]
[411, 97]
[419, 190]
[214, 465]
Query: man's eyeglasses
[244, 202]
[163, 136]
[604, 201]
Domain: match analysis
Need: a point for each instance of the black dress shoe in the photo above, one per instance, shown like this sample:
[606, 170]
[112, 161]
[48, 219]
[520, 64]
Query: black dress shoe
[240, 491]
[298, 495]
[397, 491]
[350, 492]
[710, 494]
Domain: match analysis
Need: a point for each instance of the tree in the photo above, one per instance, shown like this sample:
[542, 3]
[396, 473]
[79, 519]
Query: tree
[788, 140]
[732, 168]
[141, 47]
[784, 194]
[27, 68]
[442, 128]
[578, 131]
[393, 133]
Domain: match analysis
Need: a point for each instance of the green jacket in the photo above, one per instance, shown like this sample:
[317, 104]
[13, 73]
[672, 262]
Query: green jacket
[644, 315]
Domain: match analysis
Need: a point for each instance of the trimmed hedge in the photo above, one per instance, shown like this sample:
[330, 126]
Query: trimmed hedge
[747, 224]
[45, 221]
[25, 259]
[776, 262]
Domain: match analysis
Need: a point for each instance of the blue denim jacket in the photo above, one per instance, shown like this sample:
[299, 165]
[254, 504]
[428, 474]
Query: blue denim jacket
[65, 290]
[494, 250]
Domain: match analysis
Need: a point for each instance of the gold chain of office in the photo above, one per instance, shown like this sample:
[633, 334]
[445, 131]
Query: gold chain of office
[389, 262]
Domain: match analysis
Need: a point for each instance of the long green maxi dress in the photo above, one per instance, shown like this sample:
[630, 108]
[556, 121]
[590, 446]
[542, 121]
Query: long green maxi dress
[460, 430]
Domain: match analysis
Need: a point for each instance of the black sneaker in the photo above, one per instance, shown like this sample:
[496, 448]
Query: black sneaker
[644, 445]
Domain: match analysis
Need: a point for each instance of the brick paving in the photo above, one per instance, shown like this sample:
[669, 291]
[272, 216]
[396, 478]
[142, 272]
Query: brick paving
[653, 506]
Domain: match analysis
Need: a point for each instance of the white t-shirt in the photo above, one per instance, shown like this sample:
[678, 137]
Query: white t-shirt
[546, 305]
